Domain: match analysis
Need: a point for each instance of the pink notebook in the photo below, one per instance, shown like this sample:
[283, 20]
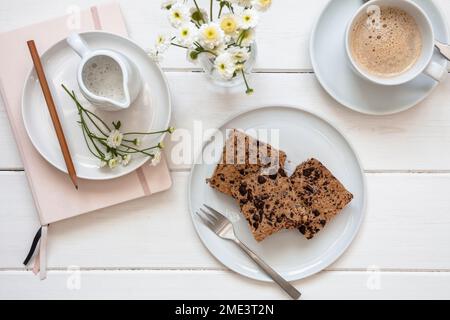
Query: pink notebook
[55, 197]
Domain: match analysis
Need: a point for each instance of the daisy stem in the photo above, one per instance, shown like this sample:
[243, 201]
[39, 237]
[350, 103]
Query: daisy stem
[89, 147]
[136, 151]
[144, 133]
[211, 10]
[220, 11]
[249, 90]
[177, 45]
[88, 113]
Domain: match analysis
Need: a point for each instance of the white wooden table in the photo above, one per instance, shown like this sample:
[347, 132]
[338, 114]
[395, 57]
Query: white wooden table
[149, 249]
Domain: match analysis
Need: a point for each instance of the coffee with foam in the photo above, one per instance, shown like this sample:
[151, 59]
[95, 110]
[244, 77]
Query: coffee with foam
[386, 41]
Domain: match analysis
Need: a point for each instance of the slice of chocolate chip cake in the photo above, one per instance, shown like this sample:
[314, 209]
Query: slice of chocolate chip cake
[269, 204]
[243, 155]
[321, 193]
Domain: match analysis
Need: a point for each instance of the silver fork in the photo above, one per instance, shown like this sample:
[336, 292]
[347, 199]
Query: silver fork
[221, 226]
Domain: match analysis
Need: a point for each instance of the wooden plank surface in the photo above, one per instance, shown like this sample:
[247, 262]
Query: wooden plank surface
[418, 139]
[188, 284]
[406, 228]
[148, 248]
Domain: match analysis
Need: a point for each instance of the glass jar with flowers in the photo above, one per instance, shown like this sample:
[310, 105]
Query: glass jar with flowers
[221, 40]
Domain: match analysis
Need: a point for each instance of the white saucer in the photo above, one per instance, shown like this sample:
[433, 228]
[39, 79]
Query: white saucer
[150, 111]
[302, 136]
[332, 68]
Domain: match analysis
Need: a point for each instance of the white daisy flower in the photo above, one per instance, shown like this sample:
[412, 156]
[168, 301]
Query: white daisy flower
[162, 42]
[114, 139]
[210, 35]
[248, 37]
[220, 49]
[167, 4]
[242, 3]
[248, 19]
[126, 160]
[239, 54]
[225, 65]
[186, 34]
[102, 164]
[262, 5]
[229, 24]
[114, 162]
[200, 16]
[178, 14]
[156, 159]
[108, 156]
[137, 142]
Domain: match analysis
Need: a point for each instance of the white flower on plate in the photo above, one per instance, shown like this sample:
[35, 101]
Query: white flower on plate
[156, 158]
[229, 24]
[199, 16]
[262, 5]
[242, 3]
[162, 42]
[210, 35]
[137, 142]
[114, 162]
[178, 14]
[225, 65]
[240, 55]
[102, 164]
[248, 19]
[247, 38]
[126, 159]
[114, 139]
[186, 34]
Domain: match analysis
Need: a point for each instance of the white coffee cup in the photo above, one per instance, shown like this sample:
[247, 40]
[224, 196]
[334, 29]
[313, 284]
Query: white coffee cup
[131, 80]
[424, 64]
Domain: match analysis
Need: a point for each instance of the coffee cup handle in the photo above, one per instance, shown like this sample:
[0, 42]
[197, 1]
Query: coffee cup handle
[78, 44]
[436, 71]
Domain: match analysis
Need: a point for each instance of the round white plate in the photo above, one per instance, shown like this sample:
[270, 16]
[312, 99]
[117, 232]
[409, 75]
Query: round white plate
[332, 68]
[150, 111]
[302, 136]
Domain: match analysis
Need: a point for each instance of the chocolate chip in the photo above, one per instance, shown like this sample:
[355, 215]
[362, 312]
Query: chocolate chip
[259, 204]
[307, 172]
[261, 179]
[242, 172]
[323, 222]
[302, 229]
[255, 225]
[282, 173]
[273, 176]
[255, 217]
[242, 190]
[309, 189]
[279, 219]
[316, 212]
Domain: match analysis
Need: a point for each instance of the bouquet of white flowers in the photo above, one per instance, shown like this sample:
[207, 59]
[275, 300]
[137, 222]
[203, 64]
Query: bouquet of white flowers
[224, 38]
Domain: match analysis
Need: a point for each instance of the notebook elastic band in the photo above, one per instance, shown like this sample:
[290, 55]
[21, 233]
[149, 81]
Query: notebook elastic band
[33, 246]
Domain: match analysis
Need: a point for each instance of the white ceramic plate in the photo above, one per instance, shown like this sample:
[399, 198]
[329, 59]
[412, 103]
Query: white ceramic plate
[302, 136]
[150, 111]
[332, 68]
